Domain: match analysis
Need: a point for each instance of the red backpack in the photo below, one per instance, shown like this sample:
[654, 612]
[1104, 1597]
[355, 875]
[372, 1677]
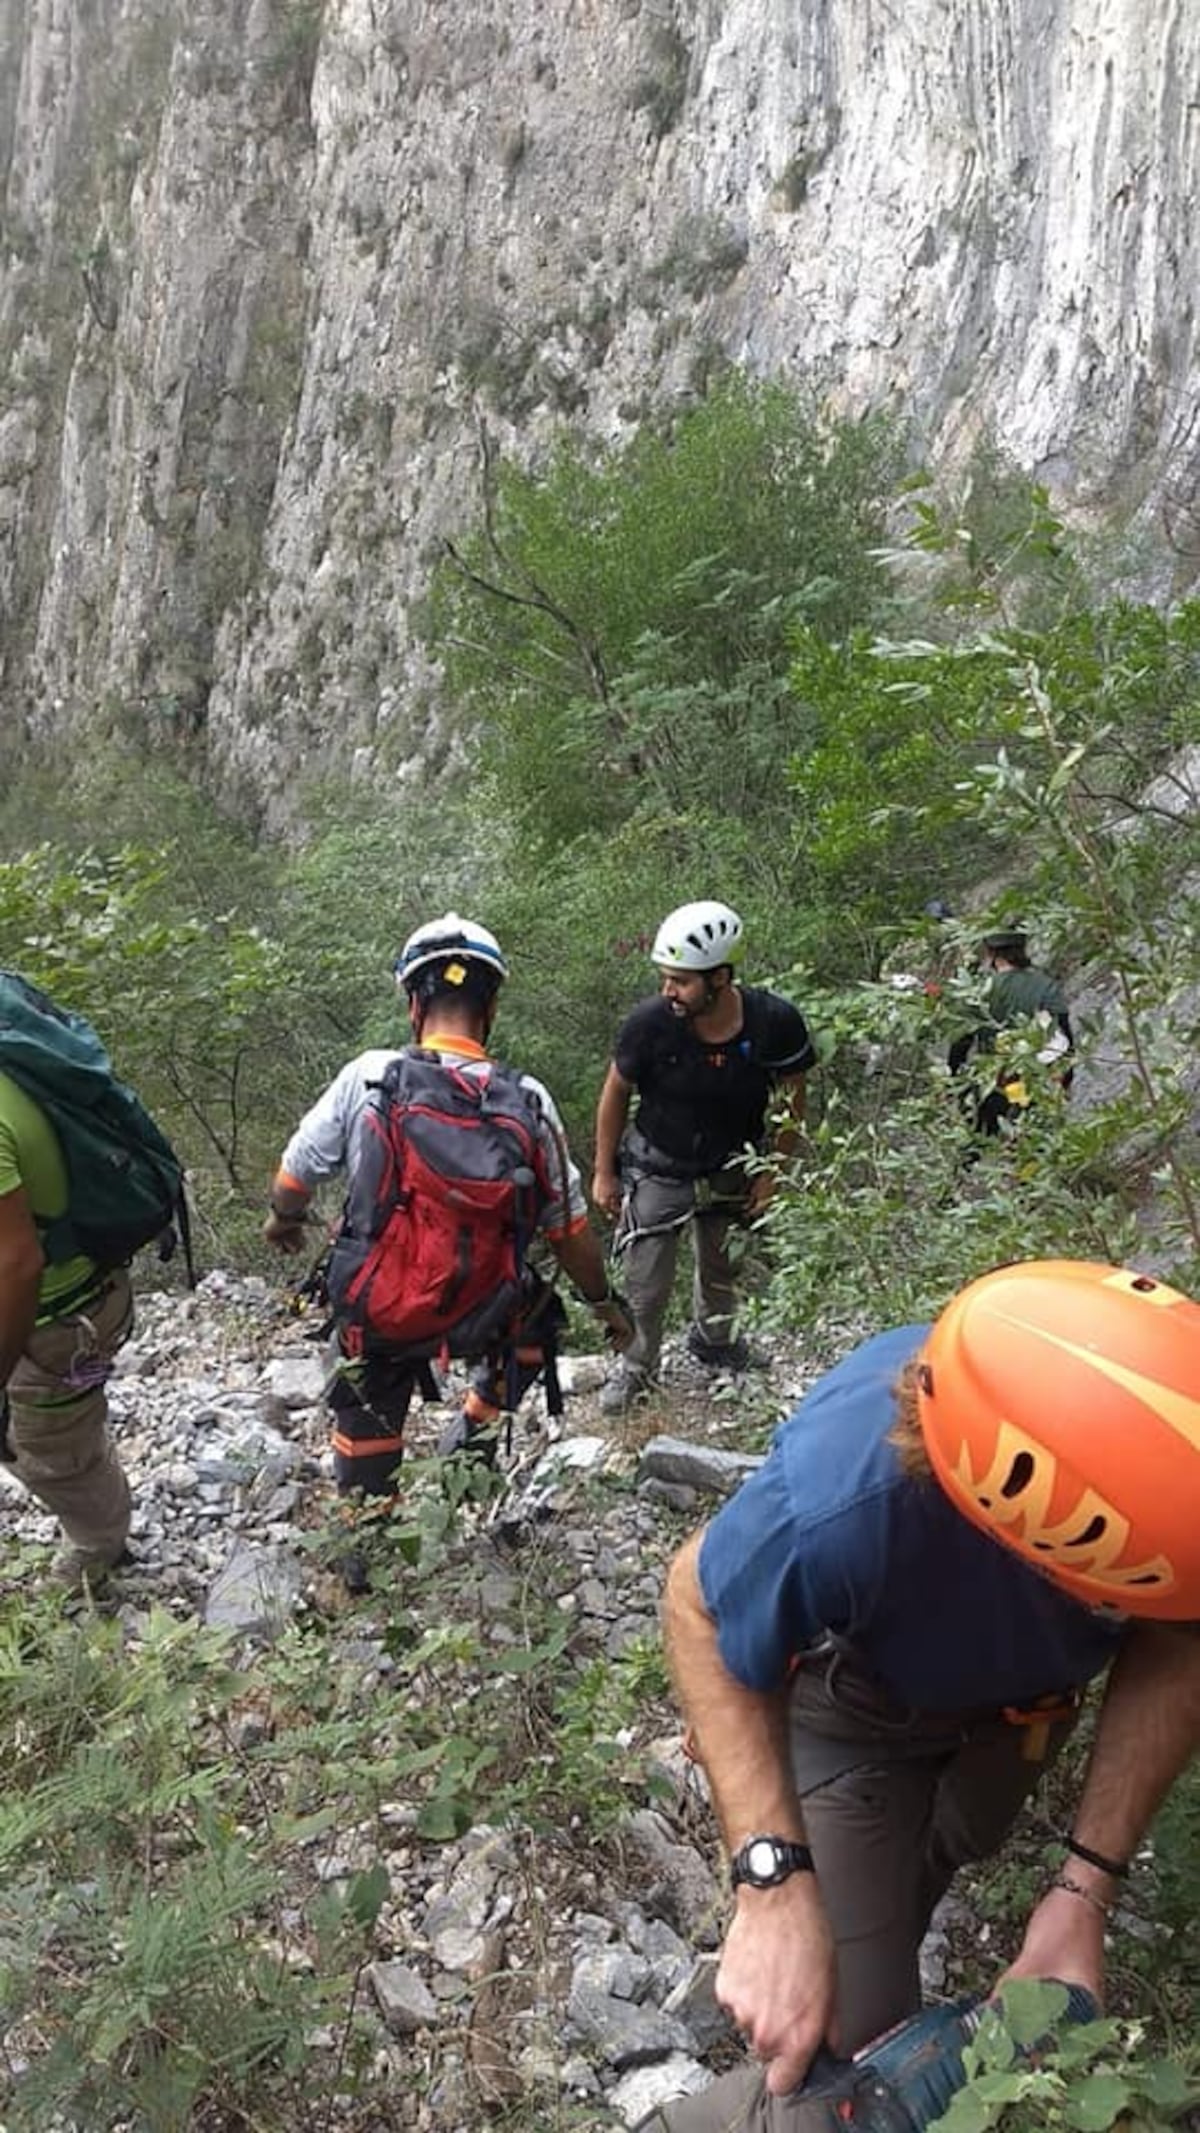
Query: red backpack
[447, 1183]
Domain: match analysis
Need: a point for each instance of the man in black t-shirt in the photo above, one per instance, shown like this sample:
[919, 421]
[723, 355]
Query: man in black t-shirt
[704, 1060]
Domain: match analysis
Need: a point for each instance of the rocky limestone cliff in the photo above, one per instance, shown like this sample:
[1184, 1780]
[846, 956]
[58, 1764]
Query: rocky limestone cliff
[267, 263]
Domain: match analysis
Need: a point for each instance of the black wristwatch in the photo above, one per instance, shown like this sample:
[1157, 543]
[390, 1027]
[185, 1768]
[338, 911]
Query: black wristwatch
[763, 1862]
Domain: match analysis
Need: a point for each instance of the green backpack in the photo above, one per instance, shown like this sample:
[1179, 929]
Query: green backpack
[124, 1179]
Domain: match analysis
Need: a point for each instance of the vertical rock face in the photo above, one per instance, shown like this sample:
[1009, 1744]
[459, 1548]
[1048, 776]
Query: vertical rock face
[267, 263]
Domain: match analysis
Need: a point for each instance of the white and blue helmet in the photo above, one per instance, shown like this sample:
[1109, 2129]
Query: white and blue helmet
[448, 940]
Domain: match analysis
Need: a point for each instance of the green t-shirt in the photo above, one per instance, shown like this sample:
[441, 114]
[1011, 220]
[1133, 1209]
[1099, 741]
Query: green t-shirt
[30, 1156]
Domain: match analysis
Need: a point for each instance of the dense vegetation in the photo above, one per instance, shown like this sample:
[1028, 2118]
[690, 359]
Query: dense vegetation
[738, 656]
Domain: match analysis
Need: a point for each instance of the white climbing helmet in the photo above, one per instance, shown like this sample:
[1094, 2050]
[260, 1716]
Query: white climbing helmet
[446, 938]
[698, 937]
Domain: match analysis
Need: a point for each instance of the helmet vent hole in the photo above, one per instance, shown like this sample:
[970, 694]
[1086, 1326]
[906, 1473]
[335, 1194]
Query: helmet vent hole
[1020, 1474]
[1091, 1532]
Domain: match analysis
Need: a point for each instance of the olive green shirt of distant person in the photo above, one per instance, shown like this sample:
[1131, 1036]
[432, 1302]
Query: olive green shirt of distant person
[1018, 995]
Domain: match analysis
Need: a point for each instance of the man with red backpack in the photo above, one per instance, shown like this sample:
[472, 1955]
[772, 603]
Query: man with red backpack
[453, 1164]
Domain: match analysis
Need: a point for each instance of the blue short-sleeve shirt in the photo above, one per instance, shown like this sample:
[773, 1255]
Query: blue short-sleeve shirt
[830, 1535]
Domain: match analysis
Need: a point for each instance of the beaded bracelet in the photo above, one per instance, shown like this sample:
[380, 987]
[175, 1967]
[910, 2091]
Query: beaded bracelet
[1076, 1888]
[1116, 1868]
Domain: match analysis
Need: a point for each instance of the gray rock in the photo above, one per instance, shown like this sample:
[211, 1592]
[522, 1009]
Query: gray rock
[624, 2033]
[573, 1455]
[615, 1970]
[251, 1453]
[497, 1591]
[695, 1466]
[694, 2002]
[457, 1917]
[676, 1495]
[403, 1998]
[297, 1380]
[670, 1958]
[583, 1373]
[680, 1887]
[575, 2078]
[256, 1592]
[641, 2091]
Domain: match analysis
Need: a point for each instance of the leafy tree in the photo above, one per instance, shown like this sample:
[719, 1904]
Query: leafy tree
[902, 739]
[200, 1014]
[604, 603]
[1045, 745]
[371, 867]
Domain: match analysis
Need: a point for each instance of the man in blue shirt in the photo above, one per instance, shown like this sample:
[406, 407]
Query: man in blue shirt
[880, 1643]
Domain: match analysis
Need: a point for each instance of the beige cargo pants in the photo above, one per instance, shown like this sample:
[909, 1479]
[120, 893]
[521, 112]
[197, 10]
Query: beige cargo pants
[58, 1430]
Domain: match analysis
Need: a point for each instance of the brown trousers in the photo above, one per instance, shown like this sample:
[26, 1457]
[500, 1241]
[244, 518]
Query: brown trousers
[894, 1803]
[58, 1423]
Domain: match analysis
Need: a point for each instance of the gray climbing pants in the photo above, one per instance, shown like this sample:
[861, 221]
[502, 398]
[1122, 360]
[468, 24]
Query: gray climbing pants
[655, 1213]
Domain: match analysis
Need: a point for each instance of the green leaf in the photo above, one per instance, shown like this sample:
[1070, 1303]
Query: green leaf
[444, 1818]
[967, 2114]
[1166, 2084]
[367, 1894]
[1031, 2007]
[299, 1829]
[1093, 2103]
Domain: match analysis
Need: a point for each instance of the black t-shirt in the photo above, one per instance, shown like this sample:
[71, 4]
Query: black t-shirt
[699, 1104]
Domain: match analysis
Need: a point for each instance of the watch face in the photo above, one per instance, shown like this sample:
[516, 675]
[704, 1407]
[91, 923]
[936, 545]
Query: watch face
[762, 1859]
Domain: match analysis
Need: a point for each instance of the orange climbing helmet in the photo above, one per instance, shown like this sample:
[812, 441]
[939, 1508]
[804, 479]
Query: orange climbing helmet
[1059, 1402]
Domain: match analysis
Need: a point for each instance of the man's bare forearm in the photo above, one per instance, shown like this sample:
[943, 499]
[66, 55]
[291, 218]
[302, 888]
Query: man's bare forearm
[739, 1734]
[1147, 1732]
[777, 1973]
[612, 1112]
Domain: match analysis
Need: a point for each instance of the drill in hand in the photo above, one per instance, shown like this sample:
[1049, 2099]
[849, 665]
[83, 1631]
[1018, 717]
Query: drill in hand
[900, 2083]
[905, 2079]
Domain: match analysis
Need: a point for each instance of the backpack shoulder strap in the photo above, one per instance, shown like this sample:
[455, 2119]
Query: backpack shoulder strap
[754, 1022]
